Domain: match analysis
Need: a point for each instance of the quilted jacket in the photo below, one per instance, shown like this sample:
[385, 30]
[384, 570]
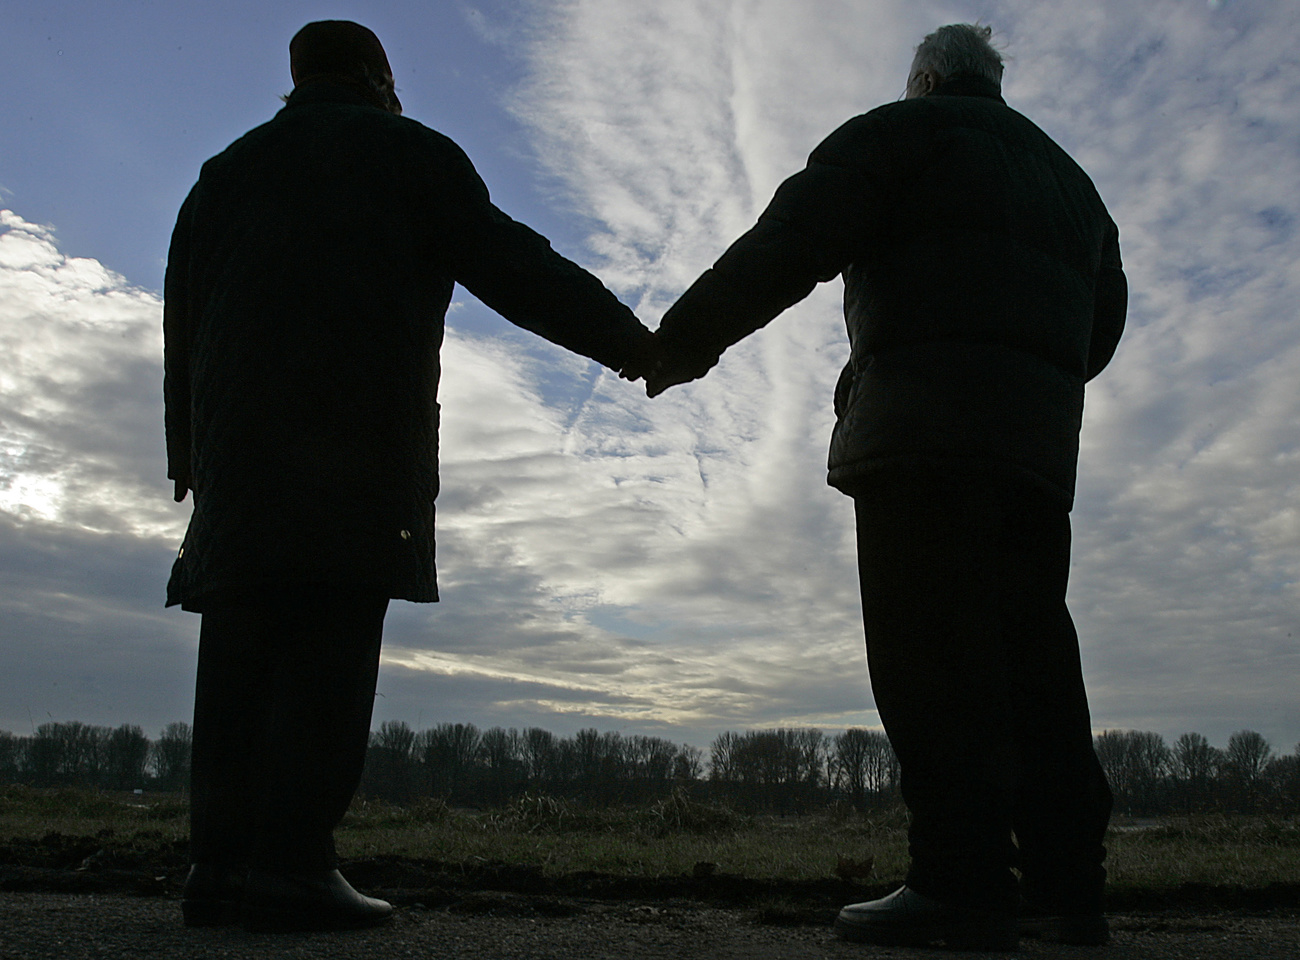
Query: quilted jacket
[982, 286]
[307, 281]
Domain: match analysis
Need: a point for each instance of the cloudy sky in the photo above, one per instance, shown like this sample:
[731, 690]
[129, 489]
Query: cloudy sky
[675, 567]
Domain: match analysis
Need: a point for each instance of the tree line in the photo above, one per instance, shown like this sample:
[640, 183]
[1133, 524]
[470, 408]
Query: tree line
[1150, 777]
[783, 770]
[75, 754]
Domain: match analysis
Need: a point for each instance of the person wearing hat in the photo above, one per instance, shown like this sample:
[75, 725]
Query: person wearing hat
[307, 281]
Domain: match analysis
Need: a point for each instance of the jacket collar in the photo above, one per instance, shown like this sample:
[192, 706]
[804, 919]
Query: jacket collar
[326, 91]
[965, 85]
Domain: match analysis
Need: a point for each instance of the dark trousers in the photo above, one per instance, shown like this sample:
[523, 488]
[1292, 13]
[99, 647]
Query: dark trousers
[974, 664]
[282, 707]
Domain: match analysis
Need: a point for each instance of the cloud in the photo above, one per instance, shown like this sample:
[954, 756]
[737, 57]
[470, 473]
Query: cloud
[552, 534]
[679, 566]
[86, 520]
[1186, 557]
[585, 567]
[670, 129]
[79, 391]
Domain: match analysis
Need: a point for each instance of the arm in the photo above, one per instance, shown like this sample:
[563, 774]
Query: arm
[176, 355]
[1110, 305]
[514, 271]
[804, 237]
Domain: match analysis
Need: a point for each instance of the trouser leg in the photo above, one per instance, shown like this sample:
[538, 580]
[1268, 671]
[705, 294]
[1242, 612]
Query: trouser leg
[303, 667]
[975, 667]
[231, 697]
[930, 578]
[1062, 803]
[318, 732]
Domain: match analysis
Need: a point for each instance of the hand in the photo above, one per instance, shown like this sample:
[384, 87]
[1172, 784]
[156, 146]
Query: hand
[645, 361]
[674, 369]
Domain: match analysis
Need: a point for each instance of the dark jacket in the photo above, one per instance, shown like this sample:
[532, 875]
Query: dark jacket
[309, 274]
[982, 286]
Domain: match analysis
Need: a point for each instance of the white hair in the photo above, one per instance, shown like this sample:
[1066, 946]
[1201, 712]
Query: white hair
[959, 49]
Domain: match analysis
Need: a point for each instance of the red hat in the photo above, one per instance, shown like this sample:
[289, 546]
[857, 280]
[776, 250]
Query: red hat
[334, 48]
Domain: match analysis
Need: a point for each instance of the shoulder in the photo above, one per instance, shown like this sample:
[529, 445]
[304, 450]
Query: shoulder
[876, 134]
[934, 124]
[412, 142]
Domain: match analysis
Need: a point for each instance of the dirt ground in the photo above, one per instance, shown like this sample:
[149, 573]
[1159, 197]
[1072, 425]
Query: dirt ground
[46, 926]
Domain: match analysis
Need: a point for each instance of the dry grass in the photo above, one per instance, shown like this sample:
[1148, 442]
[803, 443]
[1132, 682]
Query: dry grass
[672, 836]
[1219, 850]
[666, 838]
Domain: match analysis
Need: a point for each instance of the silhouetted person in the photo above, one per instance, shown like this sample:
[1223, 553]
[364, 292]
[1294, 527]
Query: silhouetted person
[308, 277]
[982, 288]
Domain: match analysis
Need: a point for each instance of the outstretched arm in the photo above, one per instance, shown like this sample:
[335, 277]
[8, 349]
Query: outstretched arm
[514, 270]
[803, 238]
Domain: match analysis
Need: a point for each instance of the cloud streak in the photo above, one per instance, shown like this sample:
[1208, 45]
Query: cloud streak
[1185, 567]
[679, 566]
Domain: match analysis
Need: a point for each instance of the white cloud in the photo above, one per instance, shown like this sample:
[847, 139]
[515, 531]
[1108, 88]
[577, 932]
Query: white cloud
[1186, 558]
[80, 391]
[608, 560]
[671, 129]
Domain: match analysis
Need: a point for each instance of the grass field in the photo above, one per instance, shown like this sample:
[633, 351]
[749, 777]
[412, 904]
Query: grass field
[664, 839]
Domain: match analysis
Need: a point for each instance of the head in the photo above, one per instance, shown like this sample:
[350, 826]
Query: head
[959, 49]
[344, 52]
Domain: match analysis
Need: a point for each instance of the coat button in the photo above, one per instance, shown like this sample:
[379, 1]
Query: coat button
[406, 534]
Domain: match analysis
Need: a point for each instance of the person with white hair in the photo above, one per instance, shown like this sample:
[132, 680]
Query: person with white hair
[982, 288]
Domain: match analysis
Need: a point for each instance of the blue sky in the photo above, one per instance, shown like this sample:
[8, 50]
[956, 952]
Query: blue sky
[675, 567]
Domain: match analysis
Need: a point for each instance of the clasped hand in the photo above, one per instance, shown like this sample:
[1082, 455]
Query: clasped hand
[662, 367]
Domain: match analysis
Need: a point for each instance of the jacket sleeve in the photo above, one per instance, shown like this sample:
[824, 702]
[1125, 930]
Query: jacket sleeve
[176, 348]
[514, 270]
[804, 237]
[1110, 305]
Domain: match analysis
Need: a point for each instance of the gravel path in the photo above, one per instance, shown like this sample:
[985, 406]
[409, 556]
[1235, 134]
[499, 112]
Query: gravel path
[46, 926]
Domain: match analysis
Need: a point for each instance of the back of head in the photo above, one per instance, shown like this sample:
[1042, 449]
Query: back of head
[958, 50]
[343, 52]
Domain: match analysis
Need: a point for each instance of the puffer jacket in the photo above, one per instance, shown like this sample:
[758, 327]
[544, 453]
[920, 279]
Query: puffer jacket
[982, 286]
[307, 282]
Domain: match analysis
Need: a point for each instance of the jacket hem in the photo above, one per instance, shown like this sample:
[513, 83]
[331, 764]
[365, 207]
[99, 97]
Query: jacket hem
[848, 477]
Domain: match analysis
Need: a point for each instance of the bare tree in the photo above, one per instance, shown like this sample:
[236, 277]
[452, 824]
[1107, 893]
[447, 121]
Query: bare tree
[170, 756]
[780, 769]
[396, 737]
[1193, 759]
[68, 753]
[650, 759]
[449, 752]
[391, 769]
[1282, 776]
[1244, 763]
[501, 752]
[1194, 764]
[1247, 755]
[862, 763]
[126, 756]
[724, 763]
[13, 752]
[689, 763]
[883, 771]
[539, 751]
[1135, 762]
